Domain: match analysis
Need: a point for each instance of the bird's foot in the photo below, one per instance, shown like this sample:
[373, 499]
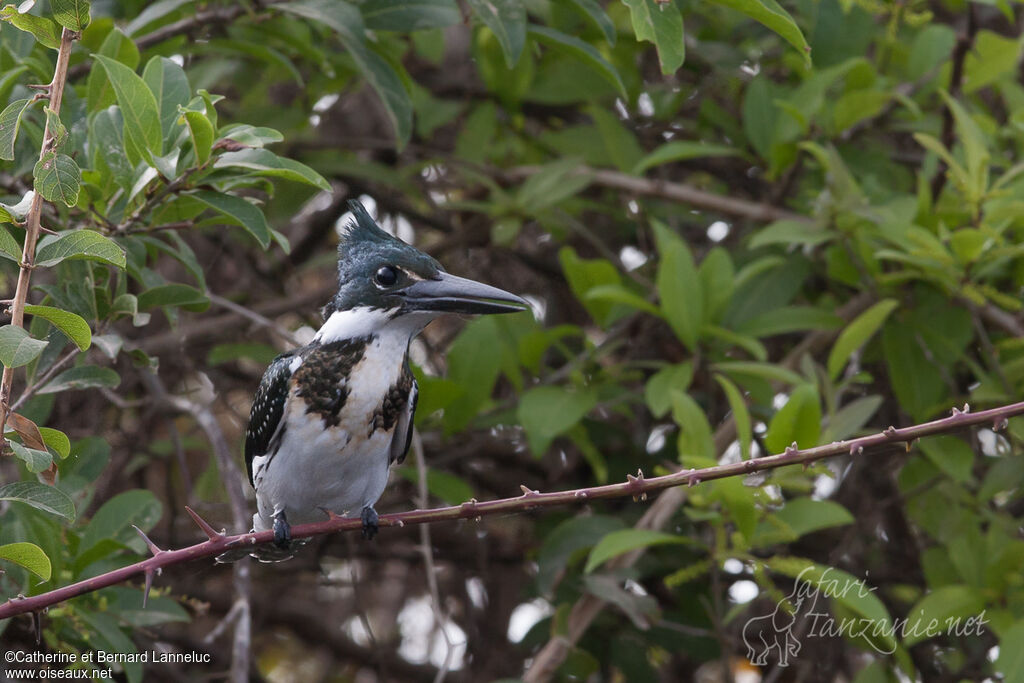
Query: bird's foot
[282, 532]
[370, 520]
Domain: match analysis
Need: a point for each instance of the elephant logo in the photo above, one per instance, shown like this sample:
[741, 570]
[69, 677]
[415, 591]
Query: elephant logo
[774, 632]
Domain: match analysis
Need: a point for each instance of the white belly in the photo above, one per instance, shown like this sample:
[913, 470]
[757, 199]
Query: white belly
[342, 469]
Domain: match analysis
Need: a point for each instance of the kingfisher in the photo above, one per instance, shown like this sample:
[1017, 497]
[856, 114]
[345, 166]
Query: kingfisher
[329, 418]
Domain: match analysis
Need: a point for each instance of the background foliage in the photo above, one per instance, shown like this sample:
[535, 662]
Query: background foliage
[744, 226]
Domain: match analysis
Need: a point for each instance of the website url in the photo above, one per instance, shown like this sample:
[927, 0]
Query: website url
[58, 674]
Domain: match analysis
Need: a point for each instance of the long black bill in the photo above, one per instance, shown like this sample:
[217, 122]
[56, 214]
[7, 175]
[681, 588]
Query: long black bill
[453, 294]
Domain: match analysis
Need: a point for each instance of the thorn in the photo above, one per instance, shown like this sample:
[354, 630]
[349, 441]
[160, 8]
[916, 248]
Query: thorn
[37, 626]
[908, 444]
[806, 465]
[1000, 424]
[632, 480]
[44, 87]
[855, 449]
[890, 431]
[639, 473]
[967, 408]
[149, 585]
[399, 523]
[331, 514]
[204, 525]
[956, 411]
[580, 494]
[153, 547]
[643, 496]
[526, 491]
[693, 481]
[792, 448]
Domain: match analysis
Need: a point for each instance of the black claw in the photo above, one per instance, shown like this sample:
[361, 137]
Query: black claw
[282, 532]
[370, 520]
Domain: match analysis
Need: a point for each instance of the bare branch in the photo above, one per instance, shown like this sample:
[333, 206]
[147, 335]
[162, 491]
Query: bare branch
[888, 441]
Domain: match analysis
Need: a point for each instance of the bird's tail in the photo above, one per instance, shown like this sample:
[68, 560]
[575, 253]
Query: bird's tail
[267, 552]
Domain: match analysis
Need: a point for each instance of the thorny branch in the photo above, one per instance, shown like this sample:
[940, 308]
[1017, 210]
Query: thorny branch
[55, 91]
[888, 441]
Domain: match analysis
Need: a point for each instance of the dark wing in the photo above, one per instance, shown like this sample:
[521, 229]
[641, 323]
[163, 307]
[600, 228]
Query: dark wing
[265, 425]
[403, 428]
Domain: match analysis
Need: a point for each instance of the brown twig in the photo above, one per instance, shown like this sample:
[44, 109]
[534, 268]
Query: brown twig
[32, 220]
[677, 192]
[635, 486]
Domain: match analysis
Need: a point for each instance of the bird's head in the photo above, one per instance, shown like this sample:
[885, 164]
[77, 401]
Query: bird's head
[381, 273]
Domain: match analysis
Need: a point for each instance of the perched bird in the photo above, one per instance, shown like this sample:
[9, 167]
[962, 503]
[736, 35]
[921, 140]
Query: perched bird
[330, 417]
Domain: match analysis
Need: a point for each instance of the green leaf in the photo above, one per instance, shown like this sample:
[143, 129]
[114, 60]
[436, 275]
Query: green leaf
[619, 294]
[546, 412]
[551, 184]
[266, 163]
[201, 131]
[143, 135]
[565, 541]
[36, 460]
[593, 9]
[10, 122]
[58, 178]
[659, 388]
[507, 20]
[740, 414]
[620, 542]
[17, 348]
[661, 24]
[9, 247]
[975, 148]
[679, 286]
[955, 602]
[774, 16]
[789, 319]
[40, 496]
[71, 324]
[79, 244]
[1011, 653]
[850, 418]
[153, 13]
[115, 518]
[857, 333]
[447, 487]
[175, 294]
[81, 377]
[57, 441]
[789, 232]
[586, 274]
[950, 454]
[696, 441]
[72, 14]
[169, 85]
[409, 15]
[799, 420]
[681, 150]
[46, 31]
[799, 517]
[766, 371]
[581, 50]
[346, 21]
[247, 215]
[27, 555]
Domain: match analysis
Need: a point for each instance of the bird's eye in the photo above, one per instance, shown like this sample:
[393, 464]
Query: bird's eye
[386, 276]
